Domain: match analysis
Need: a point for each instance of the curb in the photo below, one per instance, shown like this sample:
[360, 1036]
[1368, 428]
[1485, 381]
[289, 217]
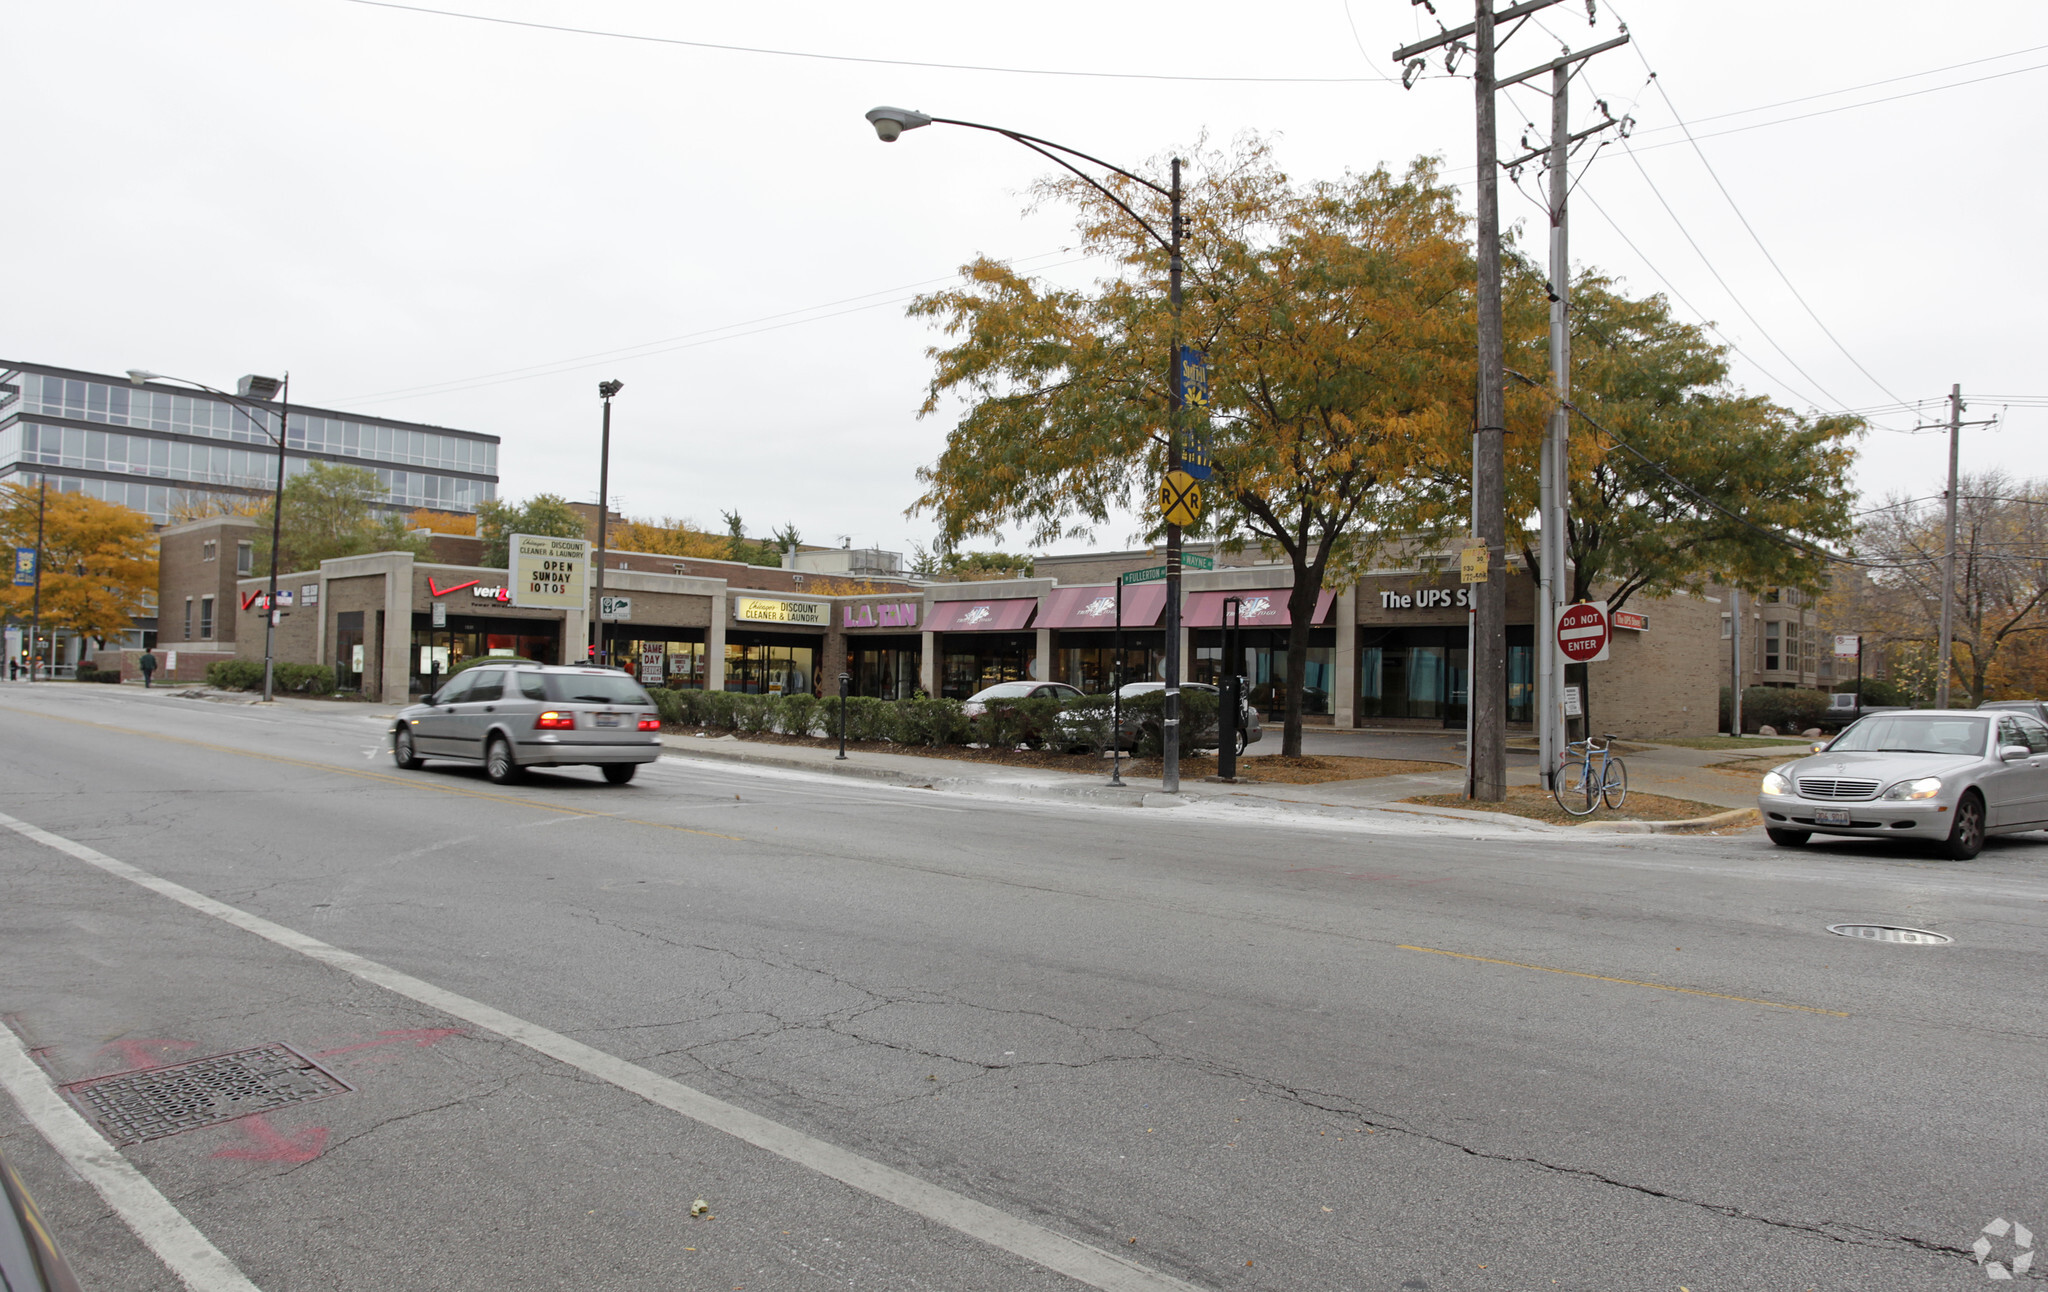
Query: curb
[1131, 796]
[1735, 816]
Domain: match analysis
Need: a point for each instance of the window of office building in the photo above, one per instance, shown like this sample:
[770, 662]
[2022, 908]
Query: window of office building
[209, 550]
[1773, 646]
[206, 619]
[188, 620]
[245, 558]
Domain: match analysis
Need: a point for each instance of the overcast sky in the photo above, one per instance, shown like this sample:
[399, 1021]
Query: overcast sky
[471, 223]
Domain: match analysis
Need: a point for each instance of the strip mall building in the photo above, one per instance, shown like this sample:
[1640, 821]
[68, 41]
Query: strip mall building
[1387, 652]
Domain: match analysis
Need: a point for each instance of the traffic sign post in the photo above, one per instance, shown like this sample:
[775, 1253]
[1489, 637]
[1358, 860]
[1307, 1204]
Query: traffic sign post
[1583, 632]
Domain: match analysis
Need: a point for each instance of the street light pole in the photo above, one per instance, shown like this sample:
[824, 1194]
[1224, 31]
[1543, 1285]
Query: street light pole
[889, 124]
[35, 623]
[605, 391]
[283, 389]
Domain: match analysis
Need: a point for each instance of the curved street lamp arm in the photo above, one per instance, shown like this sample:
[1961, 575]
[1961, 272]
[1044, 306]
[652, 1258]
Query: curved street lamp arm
[1045, 148]
[242, 404]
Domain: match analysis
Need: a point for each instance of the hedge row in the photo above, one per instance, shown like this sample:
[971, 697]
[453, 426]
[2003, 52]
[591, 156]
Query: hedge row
[247, 675]
[1081, 722]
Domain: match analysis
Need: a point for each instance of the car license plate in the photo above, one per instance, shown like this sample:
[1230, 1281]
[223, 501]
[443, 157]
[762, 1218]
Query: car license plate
[612, 720]
[1831, 816]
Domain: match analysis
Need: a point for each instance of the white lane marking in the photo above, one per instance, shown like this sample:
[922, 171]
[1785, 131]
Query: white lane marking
[199, 1265]
[1035, 1243]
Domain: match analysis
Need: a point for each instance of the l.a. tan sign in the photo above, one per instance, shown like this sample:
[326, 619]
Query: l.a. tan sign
[814, 614]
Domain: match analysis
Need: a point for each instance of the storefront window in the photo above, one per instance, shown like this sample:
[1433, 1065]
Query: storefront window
[886, 668]
[972, 661]
[1090, 666]
[1425, 673]
[770, 668]
[1265, 666]
[659, 661]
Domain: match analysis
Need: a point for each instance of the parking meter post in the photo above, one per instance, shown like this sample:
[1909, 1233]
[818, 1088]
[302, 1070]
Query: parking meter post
[845, 689]
[1226, 692]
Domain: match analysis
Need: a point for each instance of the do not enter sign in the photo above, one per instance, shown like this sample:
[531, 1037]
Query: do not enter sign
[1582, 632]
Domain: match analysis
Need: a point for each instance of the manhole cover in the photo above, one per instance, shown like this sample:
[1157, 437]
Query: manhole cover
[1891, 933]
[136, 1106]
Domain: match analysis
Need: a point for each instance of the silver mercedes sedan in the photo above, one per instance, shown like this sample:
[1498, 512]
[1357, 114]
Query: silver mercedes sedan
[1944, 776]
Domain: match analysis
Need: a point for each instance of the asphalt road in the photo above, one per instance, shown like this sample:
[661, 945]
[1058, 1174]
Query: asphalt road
[903, 1039]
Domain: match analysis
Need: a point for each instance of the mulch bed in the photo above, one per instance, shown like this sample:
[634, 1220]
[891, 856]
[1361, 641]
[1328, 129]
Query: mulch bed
[1272, 769]
[1537, 804]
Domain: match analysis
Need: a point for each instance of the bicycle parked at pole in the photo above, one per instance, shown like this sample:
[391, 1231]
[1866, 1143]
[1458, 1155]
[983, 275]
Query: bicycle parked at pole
[1589, 774]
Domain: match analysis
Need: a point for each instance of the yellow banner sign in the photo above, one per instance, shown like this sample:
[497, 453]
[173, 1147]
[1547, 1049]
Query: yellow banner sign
[815, 614]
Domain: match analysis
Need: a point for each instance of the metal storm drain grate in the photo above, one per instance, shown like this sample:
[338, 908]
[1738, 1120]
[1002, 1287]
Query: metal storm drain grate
[136, 1106]
[1891, 933]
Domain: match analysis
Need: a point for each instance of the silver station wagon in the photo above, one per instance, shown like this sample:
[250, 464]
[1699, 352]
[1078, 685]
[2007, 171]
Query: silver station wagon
[1943, 776]
[509, 717]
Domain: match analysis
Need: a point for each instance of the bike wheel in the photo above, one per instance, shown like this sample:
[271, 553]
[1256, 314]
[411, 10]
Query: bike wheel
[1574, 788]
[1614, 784]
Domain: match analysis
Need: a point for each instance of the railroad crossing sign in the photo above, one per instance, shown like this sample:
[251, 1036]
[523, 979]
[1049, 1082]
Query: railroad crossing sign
[1582, 632]
[1180, 498]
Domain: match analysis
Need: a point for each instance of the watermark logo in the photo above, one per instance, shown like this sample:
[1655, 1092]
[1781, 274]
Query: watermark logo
[2016, 1255]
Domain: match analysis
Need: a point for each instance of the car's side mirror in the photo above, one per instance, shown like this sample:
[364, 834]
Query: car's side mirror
[2013, 753]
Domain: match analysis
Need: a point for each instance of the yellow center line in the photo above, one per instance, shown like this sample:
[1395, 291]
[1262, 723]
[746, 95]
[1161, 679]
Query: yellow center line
[366, 775]
[1626, 982]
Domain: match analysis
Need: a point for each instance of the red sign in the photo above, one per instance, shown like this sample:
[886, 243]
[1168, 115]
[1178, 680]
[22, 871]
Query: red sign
[1582, 633]
[1630, 620]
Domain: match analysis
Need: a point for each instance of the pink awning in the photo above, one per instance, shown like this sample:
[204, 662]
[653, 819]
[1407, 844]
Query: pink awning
[1095, 607]
[1257, 608]
[1000, 616]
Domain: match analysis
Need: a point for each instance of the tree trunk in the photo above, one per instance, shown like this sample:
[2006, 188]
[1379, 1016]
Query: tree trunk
[1301, 613]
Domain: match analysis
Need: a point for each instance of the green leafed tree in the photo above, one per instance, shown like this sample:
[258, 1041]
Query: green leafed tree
[546, 514]
[329, 511]
[1715, 476]
[1337, 318]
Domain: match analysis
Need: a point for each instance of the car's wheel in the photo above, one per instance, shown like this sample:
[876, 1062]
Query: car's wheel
[1244, 740]
[1788, 838]
[499, 764]
[620, 773]
[401, 750]
[1966, 834]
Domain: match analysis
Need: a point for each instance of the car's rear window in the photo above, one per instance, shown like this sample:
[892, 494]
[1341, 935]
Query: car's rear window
[1003, 691]
[596, 688]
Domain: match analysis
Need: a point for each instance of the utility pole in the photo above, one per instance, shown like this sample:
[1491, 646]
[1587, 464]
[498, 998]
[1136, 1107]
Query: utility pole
[1169, 717]
[1948, 549]
[1735, 662]
[1946, 650]
[1487, 648]
[35, 622]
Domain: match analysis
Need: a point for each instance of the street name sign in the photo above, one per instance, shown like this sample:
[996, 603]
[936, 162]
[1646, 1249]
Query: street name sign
[1582, 632]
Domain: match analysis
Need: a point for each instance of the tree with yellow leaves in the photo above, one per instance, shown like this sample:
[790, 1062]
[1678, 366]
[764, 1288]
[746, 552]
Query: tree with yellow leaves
[1338, 322]
[98, 560]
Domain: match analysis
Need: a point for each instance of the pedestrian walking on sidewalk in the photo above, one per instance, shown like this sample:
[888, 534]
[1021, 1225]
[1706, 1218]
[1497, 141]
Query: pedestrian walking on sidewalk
[148, 666]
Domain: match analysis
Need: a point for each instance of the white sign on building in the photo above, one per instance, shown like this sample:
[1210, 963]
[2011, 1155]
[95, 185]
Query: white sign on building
[550, 573]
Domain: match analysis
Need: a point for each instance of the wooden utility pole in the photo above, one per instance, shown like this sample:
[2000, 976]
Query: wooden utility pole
[1948, 550]
[1486, 778]
[1489, 644]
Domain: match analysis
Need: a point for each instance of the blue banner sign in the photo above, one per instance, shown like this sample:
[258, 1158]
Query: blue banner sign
[1194, 396]
[24, 567]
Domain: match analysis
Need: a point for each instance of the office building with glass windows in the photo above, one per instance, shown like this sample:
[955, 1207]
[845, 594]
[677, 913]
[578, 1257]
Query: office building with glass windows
[161, 448]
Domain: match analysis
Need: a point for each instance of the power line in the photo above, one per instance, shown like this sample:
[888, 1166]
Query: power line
[1748, 227]
[852, 58]
[1869, 85]
[1698, 313]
